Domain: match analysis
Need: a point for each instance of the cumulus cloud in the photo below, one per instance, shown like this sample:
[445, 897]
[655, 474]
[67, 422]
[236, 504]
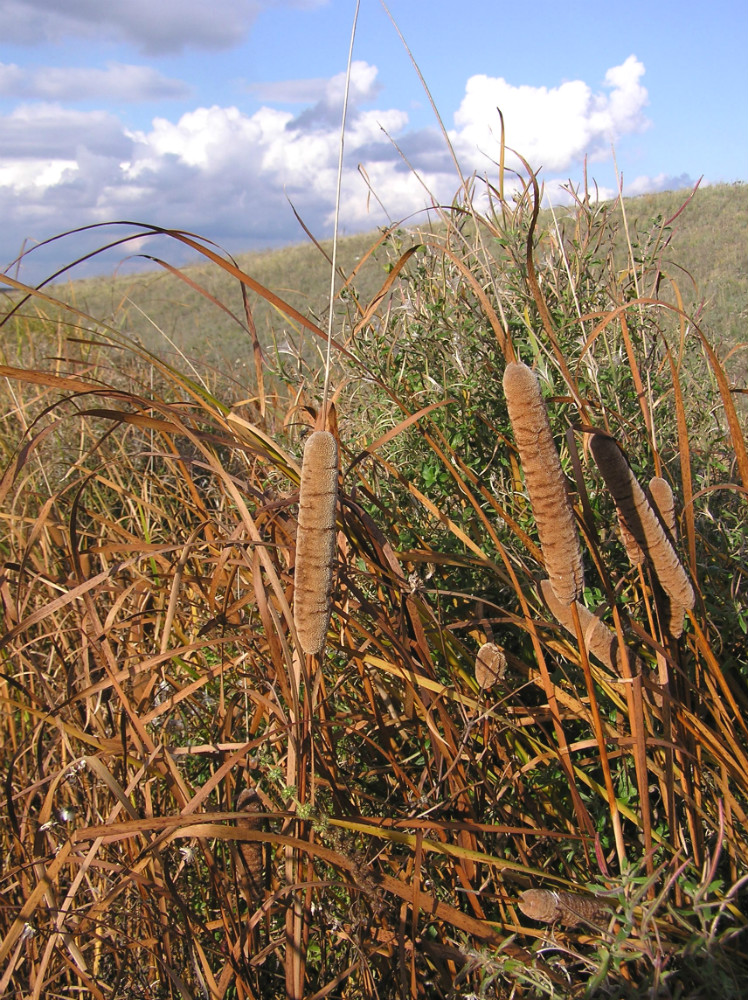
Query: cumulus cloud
[552, 127]
[154, 26]
[661, 182]
[118, 82]
[49, 131]
[325, 113]
[228, 174]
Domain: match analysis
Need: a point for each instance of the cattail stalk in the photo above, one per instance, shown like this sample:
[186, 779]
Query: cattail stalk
[642, 522]
[315, 540]
[546, 482]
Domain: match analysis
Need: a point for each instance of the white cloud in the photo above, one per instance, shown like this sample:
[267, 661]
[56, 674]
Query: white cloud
[307, 91]
[48, 131]
[154, 26]
[551, 127]
[661, 182]
[326, 112]
[118, 82]
[228, 174]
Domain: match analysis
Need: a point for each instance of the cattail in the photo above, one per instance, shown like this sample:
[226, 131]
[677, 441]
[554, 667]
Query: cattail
[664, 501]
[546, 483]
[659, 490]
[640, 519]
[635, 554]
[599, 640]
[490, 664]
[251, 877]
[315, 540]
[569, 908]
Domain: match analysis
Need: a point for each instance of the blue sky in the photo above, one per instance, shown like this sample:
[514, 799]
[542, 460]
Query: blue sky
[213, 115]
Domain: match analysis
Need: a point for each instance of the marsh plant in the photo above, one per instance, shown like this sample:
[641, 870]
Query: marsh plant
[470, 722]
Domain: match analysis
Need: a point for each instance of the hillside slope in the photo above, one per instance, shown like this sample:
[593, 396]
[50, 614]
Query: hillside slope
[707, 255]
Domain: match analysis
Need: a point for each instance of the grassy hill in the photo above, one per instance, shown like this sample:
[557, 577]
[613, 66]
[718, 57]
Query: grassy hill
[705, 250]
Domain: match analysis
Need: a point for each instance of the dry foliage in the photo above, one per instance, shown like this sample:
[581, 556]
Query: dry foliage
[189, 810]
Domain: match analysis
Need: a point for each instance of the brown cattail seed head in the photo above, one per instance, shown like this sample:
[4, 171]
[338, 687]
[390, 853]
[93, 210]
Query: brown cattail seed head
[546, 482]
[315, 540]
[490, 664]
[569, 908]
[664, 501]
[599, 640]
[644, 525]
[251, 851]
[662, 495]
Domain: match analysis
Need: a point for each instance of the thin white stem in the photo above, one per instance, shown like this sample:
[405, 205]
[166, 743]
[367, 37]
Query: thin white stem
[330, 317]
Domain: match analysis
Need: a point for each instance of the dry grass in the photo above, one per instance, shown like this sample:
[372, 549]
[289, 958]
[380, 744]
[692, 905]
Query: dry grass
[190, 810]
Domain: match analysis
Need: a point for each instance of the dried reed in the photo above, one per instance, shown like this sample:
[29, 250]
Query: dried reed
[546, 482]
[490, 664]
[636, 512]
[315, 541]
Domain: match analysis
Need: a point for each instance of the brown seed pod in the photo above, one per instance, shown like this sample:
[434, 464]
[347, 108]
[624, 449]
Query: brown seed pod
[676, 614]
[601, 641]
[250, 879]
[568, 908]
[664, 501]
[659, 490]
[546, 482]
[315, 540]
[490, 664]
[640, 519]
[635, 554]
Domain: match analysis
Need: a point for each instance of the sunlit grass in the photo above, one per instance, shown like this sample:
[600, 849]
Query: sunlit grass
[151, 671]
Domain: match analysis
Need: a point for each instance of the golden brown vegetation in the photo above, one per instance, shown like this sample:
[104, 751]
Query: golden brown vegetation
[401, 828]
